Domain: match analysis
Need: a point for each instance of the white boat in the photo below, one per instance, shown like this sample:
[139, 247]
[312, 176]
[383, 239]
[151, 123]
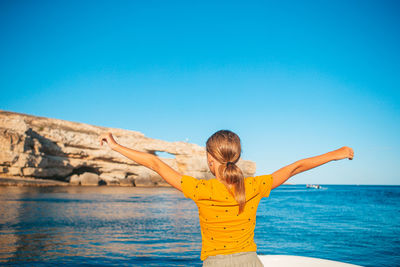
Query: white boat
[314, 186]
[300, 261]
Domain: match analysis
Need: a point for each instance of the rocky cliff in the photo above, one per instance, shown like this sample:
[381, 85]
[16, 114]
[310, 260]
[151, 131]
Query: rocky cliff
[44, 148]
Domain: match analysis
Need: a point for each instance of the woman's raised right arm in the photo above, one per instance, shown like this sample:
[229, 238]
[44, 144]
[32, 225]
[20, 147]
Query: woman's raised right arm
[283, 174]
[146, 159]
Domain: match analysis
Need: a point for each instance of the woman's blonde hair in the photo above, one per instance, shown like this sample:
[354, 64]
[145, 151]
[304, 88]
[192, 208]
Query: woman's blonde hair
[225, 147]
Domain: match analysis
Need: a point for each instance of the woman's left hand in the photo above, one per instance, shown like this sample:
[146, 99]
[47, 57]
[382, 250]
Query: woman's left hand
[109, 139]
[345, 152]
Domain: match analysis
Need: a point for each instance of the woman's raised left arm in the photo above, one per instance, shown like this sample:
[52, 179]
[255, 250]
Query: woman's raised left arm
[280, 176]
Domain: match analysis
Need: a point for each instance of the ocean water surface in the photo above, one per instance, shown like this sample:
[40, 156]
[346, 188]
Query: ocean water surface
[116, 226]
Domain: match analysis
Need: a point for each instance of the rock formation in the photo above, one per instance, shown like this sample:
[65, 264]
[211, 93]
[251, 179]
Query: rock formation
[38, 147]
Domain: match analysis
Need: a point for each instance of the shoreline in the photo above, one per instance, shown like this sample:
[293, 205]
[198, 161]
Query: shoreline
[32, 182]
[36, 182]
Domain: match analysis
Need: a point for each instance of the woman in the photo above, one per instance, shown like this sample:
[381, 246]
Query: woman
[228, 204]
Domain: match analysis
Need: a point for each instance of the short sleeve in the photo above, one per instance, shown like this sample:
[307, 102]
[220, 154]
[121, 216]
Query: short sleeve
[265, 185]
[190, 187]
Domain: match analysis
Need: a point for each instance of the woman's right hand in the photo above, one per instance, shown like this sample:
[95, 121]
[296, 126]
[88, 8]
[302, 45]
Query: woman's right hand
[109, 139]
[345, 152]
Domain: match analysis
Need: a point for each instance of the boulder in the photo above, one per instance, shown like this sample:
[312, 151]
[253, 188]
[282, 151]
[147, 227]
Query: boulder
[74, 180]
[89, 179]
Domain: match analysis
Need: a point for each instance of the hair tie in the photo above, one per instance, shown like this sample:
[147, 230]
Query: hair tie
[229, 162]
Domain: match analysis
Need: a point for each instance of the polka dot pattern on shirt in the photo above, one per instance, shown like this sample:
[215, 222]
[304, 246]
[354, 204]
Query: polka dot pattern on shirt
[224, 230]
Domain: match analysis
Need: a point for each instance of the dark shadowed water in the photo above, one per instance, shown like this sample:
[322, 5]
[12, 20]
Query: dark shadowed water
[117, 226]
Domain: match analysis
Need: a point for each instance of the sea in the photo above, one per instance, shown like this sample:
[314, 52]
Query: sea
[136, 226]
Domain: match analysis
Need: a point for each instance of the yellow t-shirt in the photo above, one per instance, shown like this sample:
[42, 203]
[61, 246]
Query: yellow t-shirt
[223, 231]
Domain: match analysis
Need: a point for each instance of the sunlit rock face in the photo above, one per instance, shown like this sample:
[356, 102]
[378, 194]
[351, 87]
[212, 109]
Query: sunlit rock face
[67, 151]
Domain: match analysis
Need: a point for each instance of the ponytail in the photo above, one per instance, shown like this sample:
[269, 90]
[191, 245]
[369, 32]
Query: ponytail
[225, 147]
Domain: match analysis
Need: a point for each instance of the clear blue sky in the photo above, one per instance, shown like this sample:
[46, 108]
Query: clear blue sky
[293, 79]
